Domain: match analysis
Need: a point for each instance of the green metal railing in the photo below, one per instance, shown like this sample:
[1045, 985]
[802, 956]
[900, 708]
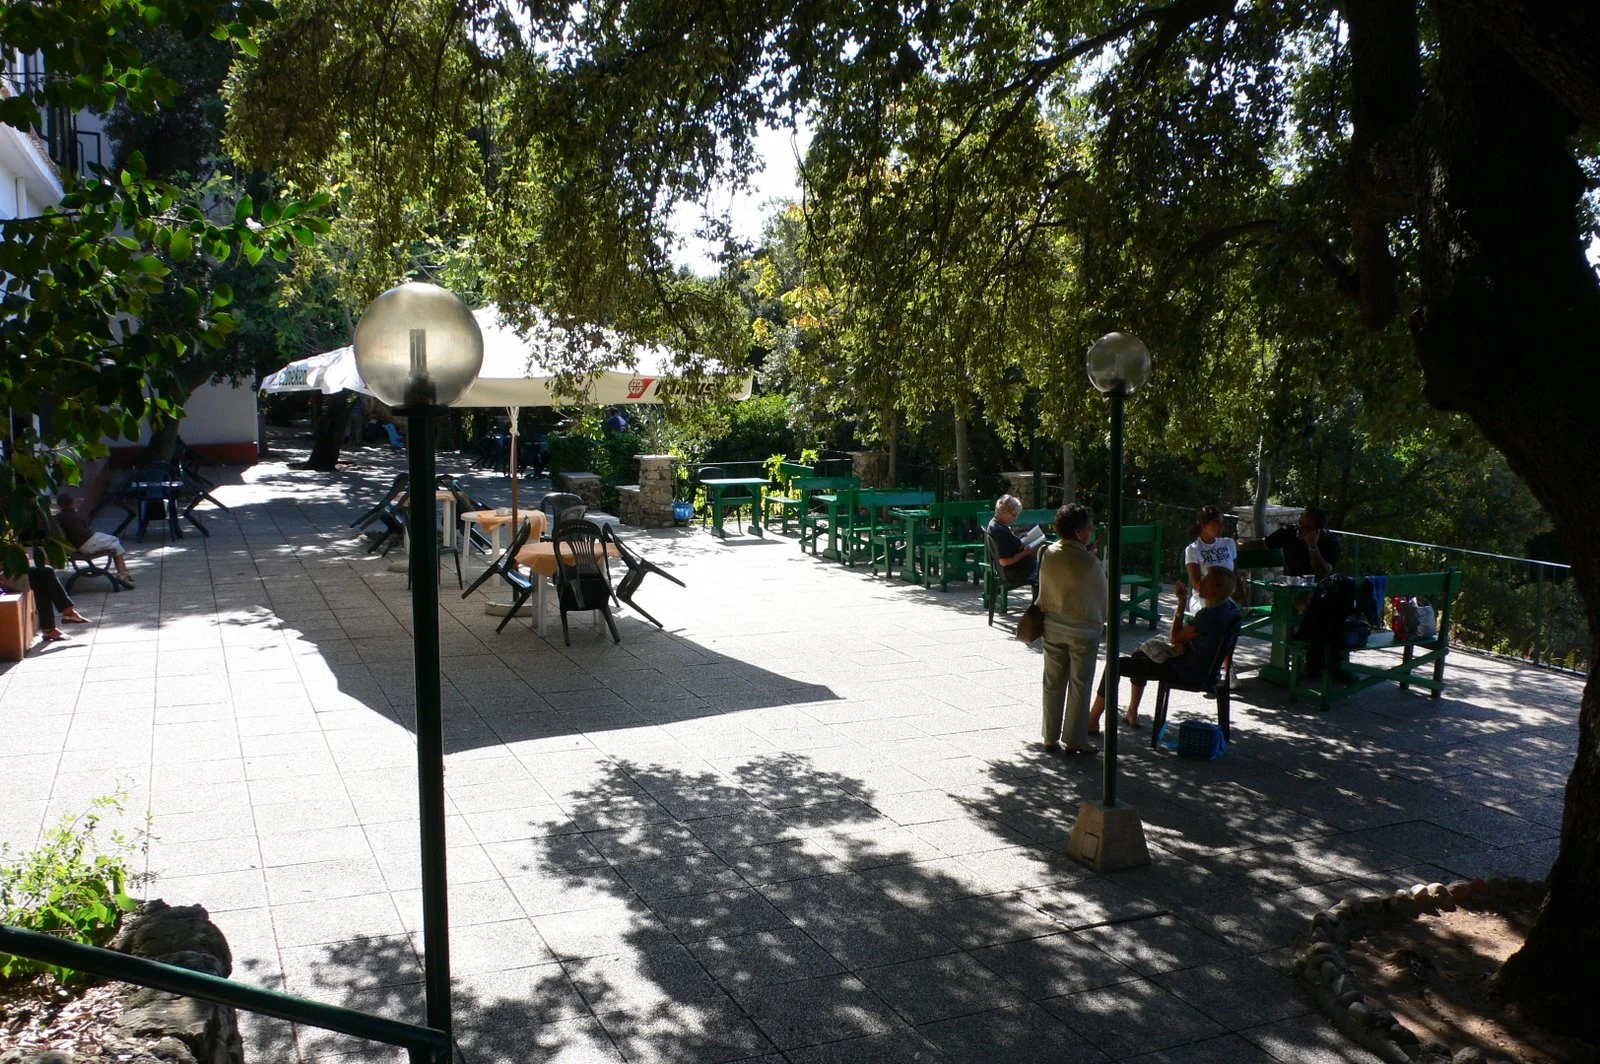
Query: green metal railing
[424, 1044]
[1517, 607]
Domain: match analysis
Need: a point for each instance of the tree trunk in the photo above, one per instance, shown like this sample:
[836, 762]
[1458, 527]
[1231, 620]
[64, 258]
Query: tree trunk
[1505, 333]
[963, 460]
[1069, 474]
[163, 441]
[327, 436]
[1258, 510]
[894, 448]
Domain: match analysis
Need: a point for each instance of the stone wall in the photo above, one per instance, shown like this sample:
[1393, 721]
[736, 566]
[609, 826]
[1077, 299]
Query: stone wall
[182, 935]
[657, 483]
[156, 1027]
[586, 486]
[628, 504]
[1277, 517]
[872, 467]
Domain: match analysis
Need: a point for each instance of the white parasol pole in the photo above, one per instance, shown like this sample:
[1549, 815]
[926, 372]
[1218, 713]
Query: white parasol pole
[513, 411]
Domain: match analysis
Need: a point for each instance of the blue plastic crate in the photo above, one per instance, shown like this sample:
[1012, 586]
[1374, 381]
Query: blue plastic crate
[1201, 740]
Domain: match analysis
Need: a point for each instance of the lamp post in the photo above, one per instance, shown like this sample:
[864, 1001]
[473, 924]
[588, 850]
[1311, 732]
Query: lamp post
[1108, 834]
[418, 348]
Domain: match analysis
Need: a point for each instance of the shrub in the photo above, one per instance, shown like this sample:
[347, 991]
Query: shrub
[68, 886]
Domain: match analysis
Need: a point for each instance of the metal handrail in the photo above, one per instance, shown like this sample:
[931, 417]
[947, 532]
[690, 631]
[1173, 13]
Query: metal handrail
[426, 1045]
[1454, 550]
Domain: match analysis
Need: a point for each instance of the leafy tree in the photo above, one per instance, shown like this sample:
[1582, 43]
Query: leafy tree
[1367, 182]
[97, 315]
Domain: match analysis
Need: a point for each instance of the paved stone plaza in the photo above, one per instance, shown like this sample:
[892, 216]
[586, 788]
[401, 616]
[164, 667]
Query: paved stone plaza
[808, 822]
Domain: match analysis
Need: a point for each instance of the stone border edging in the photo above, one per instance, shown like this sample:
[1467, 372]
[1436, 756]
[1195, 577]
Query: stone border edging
[1323, 967]
[176, 1028]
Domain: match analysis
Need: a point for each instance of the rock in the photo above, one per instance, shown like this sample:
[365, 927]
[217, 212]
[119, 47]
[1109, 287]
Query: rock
[36, 1056]
[156, 929]
[1358, 1011]
[1469, 1055]
[1461, 890]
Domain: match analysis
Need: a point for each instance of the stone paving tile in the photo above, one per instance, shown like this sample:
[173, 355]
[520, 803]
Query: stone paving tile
[1160, 944]
[783, 956]
[895, 1047]
[814, 1011]
[1306, 1040]
[940, 988]
[1023, 1034]
[1053, 965]
[1132, 1018]
[701, 1032]
[1240, 993]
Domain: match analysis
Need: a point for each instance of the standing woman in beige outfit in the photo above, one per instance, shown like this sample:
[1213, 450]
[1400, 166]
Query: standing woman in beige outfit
[1073, 595]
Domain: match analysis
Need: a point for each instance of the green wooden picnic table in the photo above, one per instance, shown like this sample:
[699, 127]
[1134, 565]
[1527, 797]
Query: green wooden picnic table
[914, 517]
[717, 487]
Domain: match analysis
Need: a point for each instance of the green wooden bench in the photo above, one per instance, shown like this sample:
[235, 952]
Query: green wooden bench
[1415, 652]
[957, 545]
[783, 497]
[814, 521]
[1143, 586]
[873, 531]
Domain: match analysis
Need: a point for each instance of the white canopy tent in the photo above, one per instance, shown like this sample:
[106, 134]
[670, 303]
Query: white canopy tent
[518, 371]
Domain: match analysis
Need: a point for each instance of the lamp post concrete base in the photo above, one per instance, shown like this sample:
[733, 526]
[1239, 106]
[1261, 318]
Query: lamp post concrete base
[1108, 838]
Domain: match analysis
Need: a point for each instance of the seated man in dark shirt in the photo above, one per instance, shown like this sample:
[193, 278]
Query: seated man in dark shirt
[1309, 549]
[1195, 647]
[86, 541]
[1019, 564]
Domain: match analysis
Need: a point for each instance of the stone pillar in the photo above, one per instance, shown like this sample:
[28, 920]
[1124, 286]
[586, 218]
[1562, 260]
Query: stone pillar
[656, 486]
[872, 467]
[1020, 483]
[1277, 517]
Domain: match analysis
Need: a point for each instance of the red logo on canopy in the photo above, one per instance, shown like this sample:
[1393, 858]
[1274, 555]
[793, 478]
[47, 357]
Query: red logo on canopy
[638, 386]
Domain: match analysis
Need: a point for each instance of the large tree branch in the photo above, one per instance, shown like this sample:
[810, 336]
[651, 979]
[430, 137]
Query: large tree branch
[1172, 19]
[1264, 230]
[1385, 91]
[1555, 42]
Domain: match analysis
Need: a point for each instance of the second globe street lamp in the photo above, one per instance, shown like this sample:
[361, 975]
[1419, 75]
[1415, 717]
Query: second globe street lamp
[1108, 834]
[419, 349]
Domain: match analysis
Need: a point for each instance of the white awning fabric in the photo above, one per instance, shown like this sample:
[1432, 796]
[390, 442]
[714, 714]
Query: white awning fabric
[517, 371]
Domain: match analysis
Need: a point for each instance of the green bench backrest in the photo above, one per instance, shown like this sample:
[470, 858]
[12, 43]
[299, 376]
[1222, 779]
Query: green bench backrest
[1440, 588]
[829, 484]
[895, 497]
[1135, 534]
[788, 471]
[953, 518]
[1045, 519]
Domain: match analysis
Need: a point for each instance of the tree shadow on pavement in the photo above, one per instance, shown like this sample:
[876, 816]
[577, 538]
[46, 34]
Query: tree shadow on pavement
[684, 916]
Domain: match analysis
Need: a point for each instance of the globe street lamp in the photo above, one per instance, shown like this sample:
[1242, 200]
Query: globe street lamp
[1109, 834]
[419, 349]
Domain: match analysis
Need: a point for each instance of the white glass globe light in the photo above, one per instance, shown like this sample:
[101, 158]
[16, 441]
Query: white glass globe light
[418, 346]
[1119, 362]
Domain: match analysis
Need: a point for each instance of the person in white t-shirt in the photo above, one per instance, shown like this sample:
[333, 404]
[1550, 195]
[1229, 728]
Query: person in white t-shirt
[1209, 550]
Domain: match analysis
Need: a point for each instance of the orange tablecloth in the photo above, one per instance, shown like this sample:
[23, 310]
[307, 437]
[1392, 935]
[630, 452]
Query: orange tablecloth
[489, 520]
[541, 557]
